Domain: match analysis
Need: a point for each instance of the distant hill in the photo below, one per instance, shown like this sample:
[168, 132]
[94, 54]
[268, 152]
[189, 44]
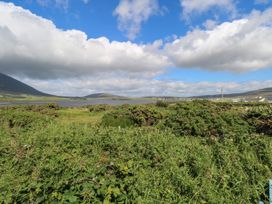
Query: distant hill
[266, 92]
[9, 85]
[105, 95]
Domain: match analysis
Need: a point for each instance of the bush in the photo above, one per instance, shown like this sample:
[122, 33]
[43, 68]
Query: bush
[24, 120]
[59, 162]
[28, 117]
[99, 108]
[261, 119]
[132, 116]
[203, 118]
[162, 104]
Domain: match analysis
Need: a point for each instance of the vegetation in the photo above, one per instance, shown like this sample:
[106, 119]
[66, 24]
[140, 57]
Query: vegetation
[187, 152]
[127, 116]
[161, 103]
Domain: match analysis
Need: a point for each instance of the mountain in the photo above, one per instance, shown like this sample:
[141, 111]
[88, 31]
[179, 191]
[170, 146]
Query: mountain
[262, 92]
[266, 92]
[9, 85]
[105, 96]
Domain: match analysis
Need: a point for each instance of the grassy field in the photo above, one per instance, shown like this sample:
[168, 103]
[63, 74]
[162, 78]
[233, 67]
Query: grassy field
[12, 98]
[186, 152]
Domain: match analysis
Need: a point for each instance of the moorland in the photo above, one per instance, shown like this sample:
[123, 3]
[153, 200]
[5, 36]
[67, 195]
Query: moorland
[179, 152]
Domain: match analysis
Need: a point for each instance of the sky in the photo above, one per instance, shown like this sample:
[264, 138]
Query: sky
[137, 47]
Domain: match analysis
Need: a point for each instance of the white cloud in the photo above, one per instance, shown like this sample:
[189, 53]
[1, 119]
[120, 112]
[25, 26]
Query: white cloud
[33, 46]
[67, 62]
[239, 46]
[190, 7]
[132, 13]
[141, 87]
[210, 24]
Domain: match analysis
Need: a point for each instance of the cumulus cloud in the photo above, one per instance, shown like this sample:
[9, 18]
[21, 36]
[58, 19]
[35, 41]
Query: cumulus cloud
[190, 7]
[238, 46]
[141, 87]
[67, 62]
[33, 46]
[132, 13]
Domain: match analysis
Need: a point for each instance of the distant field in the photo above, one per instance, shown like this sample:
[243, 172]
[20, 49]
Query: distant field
[186, 152]
[72, 102]
[31, 98]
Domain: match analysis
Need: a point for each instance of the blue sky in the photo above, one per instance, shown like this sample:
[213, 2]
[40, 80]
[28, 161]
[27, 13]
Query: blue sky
[173, 24]
[96, 17]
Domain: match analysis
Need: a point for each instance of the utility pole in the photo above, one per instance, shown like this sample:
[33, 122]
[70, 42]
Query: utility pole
[222, 92]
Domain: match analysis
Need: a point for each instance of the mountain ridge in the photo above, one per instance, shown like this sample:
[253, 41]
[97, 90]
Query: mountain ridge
[9, 85]
[264, 92]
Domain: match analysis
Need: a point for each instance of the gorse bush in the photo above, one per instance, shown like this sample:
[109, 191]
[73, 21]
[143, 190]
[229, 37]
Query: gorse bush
[28, 117]
[23, 119]
[80, 164]
[189, 152]
[161, 103]
[132, 116]
[99, 108]
[261, 119]
[203, 118]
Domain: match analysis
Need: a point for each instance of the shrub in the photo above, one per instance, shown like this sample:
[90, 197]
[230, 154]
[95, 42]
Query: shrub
[79, 163]
[99, 108]
[260, 118]
[161, 103]
[203, 118]
[132, 116]
[24, 120]
[29, 116]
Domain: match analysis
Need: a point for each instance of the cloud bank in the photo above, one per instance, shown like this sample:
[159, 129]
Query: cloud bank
[239, 46]
[33, 46]
[141, 87]
[35, 50]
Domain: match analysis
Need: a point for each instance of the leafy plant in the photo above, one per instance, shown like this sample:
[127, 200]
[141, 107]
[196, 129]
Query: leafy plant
[161, 103]
[132, 116]
[222, 159]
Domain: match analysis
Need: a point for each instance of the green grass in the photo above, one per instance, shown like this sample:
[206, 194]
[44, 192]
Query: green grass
[68, 155]
[70, 116]
[23, 97]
